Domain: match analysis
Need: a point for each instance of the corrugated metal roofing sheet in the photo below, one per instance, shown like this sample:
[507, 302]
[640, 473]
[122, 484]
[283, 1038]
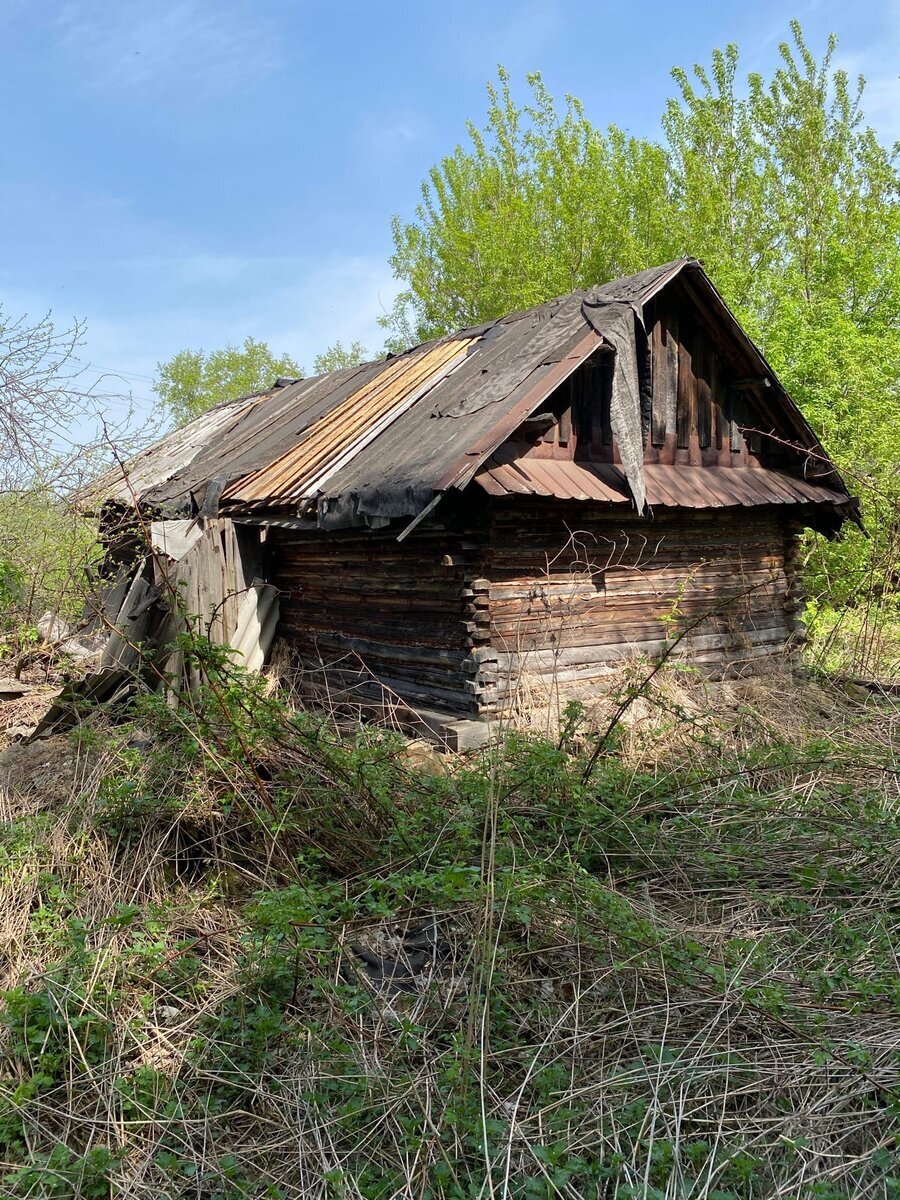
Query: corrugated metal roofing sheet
[728, 487]
[331, 443]
[667, 486]
[553, 477]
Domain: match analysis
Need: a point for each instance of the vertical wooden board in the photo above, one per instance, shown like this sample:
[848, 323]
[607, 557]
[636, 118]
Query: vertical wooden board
[605, 391]
[220, 583]
[716, 399]
[734, 422]
[565, 425]
[586, 401]
[199, 606]
[658, 374]
[754, 439]
[217, 584]
[686, 413]
[672, 346]
[209, 578]
[227, 609]
[217, 599]
[704, 396]
[231, 584]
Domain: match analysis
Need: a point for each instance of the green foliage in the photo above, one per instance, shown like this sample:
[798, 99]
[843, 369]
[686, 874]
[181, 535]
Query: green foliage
[65, 1175]
[44, 546]
[193, 380]
[338, 358]
[47, 548]
[12, 583]
[538, 204]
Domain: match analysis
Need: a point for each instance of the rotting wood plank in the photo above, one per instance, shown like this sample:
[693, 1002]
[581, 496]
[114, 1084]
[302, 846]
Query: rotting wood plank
[659, 381]
[704, 397]
[685, 419]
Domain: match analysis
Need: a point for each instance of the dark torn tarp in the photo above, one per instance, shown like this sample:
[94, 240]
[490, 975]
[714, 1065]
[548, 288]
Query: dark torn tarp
[616, 323]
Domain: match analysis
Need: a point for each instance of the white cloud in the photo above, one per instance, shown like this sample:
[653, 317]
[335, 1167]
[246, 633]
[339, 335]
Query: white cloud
[168, 47]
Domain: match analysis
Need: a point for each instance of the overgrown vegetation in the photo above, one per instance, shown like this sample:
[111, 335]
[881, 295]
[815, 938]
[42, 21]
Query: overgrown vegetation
[249, 952]
[671, 973]
[53, 437]
[47, 548]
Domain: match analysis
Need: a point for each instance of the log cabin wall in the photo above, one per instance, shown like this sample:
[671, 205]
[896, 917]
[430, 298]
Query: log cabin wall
[540, 605]
[574, 591]
[365, 612]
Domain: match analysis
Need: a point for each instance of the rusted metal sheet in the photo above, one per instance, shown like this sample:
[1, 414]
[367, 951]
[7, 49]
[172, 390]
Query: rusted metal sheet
[553, 477]
[667, 486]
[725, 487]
[331, 442]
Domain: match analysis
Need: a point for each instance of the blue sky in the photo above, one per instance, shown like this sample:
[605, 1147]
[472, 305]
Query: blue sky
[182, 173]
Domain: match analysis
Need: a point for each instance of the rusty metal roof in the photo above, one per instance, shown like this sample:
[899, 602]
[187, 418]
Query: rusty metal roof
[667, 486]
[348, 428]
[383, 441]
[554, 477]
[724, 487]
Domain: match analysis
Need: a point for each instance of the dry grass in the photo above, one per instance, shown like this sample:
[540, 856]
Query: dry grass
[665, 1003]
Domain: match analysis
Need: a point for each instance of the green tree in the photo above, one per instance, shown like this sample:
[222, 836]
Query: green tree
[792, 203]
[193, 381]
[538, 204]
[337, 358]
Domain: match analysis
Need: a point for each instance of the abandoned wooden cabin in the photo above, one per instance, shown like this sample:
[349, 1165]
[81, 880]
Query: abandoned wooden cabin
[499, 518]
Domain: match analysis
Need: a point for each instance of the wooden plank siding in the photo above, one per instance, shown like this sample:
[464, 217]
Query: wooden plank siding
[696, 417]
[210, 583]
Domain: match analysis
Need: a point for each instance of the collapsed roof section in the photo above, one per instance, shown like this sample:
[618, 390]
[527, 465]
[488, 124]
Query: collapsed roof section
[383, 442]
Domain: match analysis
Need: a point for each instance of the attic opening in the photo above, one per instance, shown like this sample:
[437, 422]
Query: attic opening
[574, 422]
